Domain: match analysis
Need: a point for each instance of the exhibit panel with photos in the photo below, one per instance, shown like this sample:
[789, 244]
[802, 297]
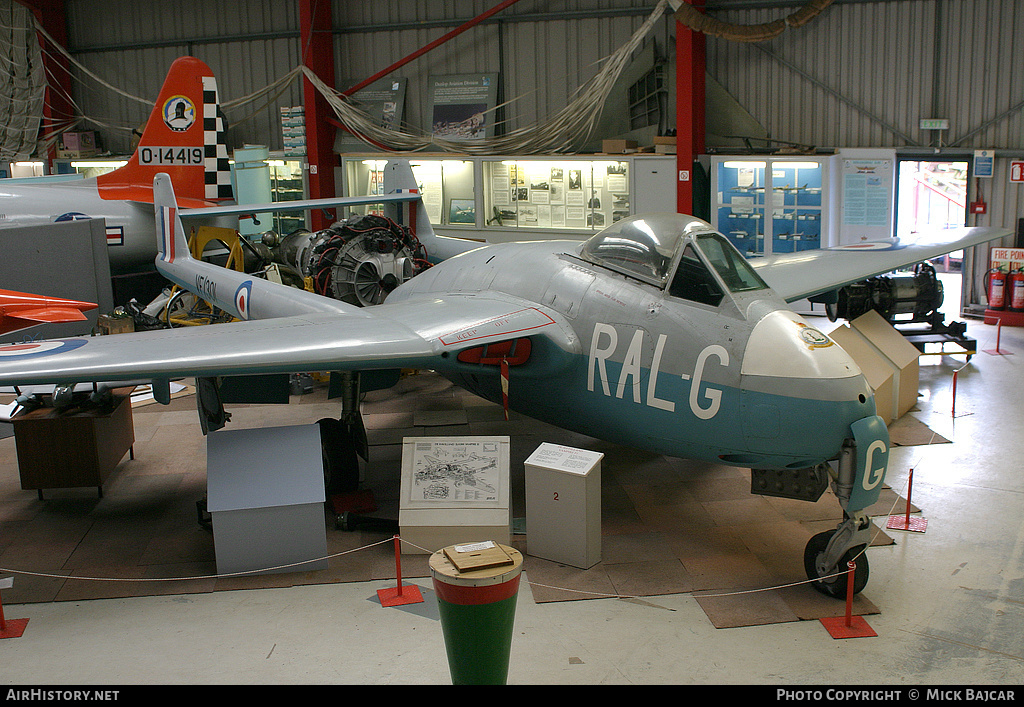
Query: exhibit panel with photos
[523, 196]
[569, 194]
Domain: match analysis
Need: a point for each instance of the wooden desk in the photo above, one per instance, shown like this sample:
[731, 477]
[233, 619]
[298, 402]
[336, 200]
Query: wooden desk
[75, 449]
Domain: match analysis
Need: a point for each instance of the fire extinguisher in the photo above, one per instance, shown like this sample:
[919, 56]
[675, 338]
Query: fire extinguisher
[1017, 290]
[996, 288]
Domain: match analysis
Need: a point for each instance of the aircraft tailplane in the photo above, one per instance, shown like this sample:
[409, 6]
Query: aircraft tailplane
[242, 295]
[184, 138]
[398, 176]
[172, 245]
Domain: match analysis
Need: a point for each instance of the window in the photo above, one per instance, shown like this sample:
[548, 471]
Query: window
[931, 194]
[734, 270]
[693, 281]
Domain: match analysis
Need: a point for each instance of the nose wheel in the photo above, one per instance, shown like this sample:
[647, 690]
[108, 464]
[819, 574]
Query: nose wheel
[832, 577]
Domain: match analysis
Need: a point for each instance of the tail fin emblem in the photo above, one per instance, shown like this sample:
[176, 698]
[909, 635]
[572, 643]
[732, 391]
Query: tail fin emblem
[179, 113]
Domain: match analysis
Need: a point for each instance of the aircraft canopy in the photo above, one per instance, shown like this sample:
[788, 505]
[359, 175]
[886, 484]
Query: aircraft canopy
[646, 247]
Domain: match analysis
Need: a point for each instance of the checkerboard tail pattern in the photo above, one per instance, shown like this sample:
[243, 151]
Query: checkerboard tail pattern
[218, 172]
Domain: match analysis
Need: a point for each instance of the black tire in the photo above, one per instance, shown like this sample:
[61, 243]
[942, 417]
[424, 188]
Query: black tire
[835, 586]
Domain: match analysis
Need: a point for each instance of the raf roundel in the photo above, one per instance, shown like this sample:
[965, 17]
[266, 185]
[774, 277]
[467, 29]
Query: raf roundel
[242, 297]
[33, 349]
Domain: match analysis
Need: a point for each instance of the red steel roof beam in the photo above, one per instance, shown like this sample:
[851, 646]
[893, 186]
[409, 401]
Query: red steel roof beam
[433, 45]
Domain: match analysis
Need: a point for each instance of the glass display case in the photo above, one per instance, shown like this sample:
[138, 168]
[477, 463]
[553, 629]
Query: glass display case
[447, 187]
[514, 198]
[584, 195]
[770, 205]
[287, 184]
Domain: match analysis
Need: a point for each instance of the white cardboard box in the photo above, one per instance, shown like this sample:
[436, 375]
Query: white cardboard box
[888, 361]
[455, 490]
[563, 505]
[903, 356]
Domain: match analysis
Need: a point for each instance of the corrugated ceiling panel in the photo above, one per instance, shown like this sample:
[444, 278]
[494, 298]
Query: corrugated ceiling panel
[861, 74]
[93, 23]
[983, 81]
[855, 75]
[145, 35]
[864, 73]
[544, 62]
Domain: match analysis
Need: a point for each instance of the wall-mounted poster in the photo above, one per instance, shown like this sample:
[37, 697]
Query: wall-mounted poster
[383, 101]
[461, 106]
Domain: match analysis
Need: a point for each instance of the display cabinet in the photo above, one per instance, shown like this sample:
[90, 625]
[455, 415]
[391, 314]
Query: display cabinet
[447, 187]
[582, 195]
[772, 204]
[514, 198]
[287, 183]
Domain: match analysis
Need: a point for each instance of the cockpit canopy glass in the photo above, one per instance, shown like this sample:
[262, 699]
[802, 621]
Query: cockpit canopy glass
[645, 247]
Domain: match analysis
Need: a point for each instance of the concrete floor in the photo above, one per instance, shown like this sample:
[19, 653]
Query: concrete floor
[951, 599]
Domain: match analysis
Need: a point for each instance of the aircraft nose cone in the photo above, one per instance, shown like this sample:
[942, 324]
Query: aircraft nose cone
[783, 345]
[800, 391]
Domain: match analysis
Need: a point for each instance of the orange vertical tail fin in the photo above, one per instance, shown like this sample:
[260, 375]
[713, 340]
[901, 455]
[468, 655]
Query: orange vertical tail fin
[184, 137]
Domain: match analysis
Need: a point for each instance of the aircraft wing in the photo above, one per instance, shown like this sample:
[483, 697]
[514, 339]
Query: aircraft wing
[298, 205]
[411, 334]
[795, 276]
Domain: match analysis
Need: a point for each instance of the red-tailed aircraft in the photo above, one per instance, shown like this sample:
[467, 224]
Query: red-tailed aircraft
[19, 310]
[183, 138]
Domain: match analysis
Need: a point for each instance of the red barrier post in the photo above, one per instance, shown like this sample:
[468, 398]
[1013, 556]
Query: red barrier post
[849, 626]
[851, 566]
[395, 596]
[952, 412]
[15, 628]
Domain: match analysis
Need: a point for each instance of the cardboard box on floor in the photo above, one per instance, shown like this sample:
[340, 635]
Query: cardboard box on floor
[876, 368]
[889, 362]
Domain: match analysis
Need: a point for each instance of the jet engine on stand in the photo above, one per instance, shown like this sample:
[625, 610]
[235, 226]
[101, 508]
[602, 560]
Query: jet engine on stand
[910, 302]
[358, 260]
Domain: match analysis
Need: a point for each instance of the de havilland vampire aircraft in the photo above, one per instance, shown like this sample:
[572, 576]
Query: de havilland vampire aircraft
[183, 137]
[655, 333]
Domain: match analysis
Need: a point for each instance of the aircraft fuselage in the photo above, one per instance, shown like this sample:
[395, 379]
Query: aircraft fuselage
[129, 225]
[745, 382]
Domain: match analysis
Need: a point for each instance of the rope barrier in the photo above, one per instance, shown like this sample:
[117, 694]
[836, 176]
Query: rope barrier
[695, 593]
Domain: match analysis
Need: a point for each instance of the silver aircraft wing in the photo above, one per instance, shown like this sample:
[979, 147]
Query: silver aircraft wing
[795, 276]
[283, 329]
[297, 205]
[412, 334]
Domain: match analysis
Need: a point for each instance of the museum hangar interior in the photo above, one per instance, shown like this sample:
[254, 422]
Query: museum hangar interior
[603, 342]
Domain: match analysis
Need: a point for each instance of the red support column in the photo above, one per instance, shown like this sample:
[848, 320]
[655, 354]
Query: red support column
[690, 129]
[57, 106]
[318, 54]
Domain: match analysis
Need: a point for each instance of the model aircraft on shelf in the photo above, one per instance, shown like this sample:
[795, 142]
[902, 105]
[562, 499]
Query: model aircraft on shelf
[19, 310]
[655, 333]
